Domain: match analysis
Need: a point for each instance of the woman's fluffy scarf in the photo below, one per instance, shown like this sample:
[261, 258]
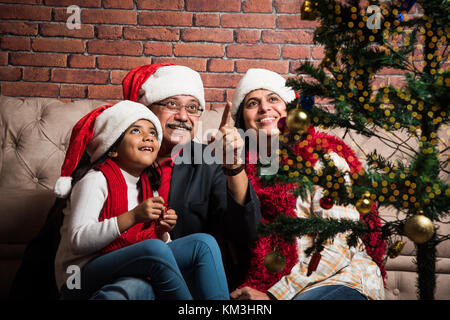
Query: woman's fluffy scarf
[278, 199]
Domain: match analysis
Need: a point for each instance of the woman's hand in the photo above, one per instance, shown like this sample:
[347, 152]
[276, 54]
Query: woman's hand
[247, 293]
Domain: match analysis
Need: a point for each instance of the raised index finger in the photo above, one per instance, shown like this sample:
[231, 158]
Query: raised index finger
[226, 116]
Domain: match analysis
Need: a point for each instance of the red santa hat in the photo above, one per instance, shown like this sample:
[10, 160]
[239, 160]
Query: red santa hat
[96, 132]
[256, 78]
[155, 82]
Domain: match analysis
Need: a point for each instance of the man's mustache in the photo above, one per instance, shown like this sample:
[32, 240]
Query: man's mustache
[179, 124]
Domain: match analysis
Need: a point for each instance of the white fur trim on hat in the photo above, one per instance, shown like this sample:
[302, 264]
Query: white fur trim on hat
[170, 81]
[256, 78]
[110, 125]
[63, 186]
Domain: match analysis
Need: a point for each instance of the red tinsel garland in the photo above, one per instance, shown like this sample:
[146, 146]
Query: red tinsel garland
[278, 199]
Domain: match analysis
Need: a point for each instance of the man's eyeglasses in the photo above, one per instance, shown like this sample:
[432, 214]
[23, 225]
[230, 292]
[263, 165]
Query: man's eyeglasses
[174, 107]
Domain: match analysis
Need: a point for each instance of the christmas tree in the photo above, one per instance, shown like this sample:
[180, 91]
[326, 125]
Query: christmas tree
[360, 40]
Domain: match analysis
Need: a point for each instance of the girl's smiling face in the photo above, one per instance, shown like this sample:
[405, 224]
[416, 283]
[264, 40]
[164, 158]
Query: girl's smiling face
[262, 110]
[138, 148]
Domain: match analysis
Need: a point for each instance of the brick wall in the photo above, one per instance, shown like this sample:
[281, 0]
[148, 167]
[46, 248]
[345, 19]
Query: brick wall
[41, 57]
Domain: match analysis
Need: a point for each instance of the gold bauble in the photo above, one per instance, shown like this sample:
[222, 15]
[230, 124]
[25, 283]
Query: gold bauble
[395, 249]
[309, 10]
[419, 228]
[364, 205]
[274, 261]
[298, 121]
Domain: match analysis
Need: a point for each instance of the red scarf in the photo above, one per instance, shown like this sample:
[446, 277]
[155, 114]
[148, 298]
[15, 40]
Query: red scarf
[117, 203]
[278, 199]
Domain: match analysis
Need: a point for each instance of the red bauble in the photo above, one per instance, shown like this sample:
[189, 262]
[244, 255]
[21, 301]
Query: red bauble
[282, 126]
[326, 203]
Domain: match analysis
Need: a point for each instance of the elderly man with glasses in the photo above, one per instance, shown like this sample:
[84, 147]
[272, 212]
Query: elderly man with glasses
[212, 198]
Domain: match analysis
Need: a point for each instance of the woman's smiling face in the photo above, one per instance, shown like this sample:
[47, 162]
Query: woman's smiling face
[262, 110]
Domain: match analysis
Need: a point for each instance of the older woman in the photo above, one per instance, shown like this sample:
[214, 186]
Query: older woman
[259, 101]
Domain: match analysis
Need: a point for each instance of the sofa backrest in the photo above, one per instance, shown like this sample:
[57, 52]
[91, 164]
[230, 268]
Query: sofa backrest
[34, 136]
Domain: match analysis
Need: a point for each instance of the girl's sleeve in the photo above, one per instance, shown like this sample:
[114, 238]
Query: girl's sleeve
[87, 233]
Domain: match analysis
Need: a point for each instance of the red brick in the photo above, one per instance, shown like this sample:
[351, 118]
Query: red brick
[61, 30]
[121, 62]
[220, 80]
[281, 67]
[58, 45]
[165, 18]
[81, 61]
[197, 64]
[38, 59]
[206, 19]
[111, 47]
[263, 51]
[19, 28]
[27, 89]
[15, 43]
[248, 20]
[296, 52]
[33, 13]
[81, 3]
[3, 58]
[220, 65]
[198, 50]
[10, 74]
[108, 32]
[111, 16]
[80, 76]
[214, 94]
[118, 4]
[289, 21]
[117, 76]
[210, 34]
[73, 90]
[105, 92]
[287, 6]
[318, 52]
[36, 74]
[397, 81]
[158, 49]
[217, 5]
[23, 1]
[298, 36]
[214, 106]
[248, 36]
[151, 33]
[160, 4]
[257, 6]
[389, 71]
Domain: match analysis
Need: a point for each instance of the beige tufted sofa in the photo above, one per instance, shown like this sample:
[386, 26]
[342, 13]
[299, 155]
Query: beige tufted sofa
[34, 135]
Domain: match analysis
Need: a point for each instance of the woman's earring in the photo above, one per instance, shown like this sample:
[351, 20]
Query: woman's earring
[112, 154]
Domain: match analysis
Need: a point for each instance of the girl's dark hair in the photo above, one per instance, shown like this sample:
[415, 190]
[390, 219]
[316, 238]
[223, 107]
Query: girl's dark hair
[84, 165]
[239, 123]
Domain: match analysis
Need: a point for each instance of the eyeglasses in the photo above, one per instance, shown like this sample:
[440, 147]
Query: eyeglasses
[174, 107]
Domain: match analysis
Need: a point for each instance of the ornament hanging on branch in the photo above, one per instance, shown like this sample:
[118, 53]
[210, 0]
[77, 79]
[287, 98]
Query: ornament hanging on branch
[309, 10]
[274, 261]
[419, 228]
[364, 205]
[326, 203]
[298, 120]
[395, 250]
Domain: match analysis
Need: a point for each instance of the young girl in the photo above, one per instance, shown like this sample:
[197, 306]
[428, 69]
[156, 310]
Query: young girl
[116, 226]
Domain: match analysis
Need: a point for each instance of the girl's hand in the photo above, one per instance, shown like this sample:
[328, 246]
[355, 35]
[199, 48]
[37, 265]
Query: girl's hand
[167, 222]
[149, 210]
[247, 293]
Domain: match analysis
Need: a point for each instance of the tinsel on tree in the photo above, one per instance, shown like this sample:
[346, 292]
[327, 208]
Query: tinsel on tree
[360, 40]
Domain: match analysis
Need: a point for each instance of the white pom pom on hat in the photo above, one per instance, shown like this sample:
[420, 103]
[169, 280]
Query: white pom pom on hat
[96, 132]
[258, 78]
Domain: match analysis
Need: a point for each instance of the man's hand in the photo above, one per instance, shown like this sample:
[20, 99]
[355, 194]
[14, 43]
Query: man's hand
[230, 139]
[247, 293]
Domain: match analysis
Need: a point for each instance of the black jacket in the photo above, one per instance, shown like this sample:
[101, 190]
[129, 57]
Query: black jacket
[199, 196]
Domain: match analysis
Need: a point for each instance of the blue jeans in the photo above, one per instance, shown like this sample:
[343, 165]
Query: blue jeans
[186, 268]
[332, 292]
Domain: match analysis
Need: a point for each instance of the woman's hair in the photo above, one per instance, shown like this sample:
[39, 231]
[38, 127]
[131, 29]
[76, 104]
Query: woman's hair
[84, 165]
[240, 123]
